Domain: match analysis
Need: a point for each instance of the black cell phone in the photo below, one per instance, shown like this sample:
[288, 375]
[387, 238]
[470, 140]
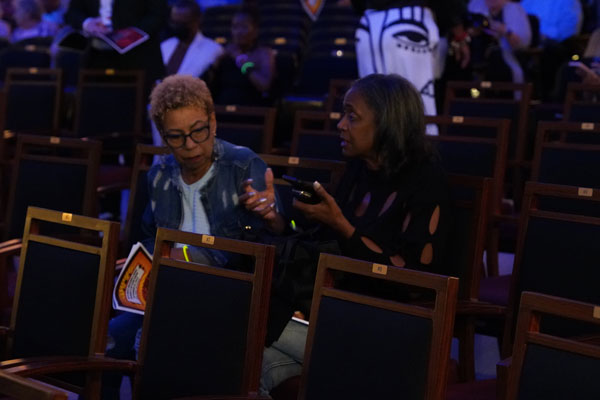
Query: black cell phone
[302, 190]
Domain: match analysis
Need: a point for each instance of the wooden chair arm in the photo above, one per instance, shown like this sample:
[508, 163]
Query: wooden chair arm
[477, 308]
[36, 366]
[593, 339]
[22, 388]
[502, 371]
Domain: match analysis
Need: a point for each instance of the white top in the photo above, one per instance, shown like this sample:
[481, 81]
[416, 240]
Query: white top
[194, 216]
[106, 12]
[199, 56]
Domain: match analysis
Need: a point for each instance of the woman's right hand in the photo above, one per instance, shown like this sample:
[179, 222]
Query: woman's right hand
[327, 212]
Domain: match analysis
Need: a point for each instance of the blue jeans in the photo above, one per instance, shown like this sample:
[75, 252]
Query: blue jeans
[121, 338]
[284, 358]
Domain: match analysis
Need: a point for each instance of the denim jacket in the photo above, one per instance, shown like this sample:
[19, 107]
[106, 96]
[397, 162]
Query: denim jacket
[220, 197]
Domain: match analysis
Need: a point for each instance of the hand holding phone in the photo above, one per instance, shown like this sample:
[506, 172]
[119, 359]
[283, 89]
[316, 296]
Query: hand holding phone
[302, 190]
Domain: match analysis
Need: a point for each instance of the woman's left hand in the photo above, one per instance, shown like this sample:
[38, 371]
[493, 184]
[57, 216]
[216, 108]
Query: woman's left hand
[262, 203]
[327, 212]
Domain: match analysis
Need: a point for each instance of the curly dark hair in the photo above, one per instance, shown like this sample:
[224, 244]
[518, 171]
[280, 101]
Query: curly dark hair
[399, 121]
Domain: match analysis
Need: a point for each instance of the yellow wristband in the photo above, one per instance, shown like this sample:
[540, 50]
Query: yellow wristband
[185, 253]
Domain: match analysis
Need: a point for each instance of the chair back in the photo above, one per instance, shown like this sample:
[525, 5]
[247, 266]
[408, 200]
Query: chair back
[319, 67]
[109, 102]
[566, 154]
[252, 127]
[362, 346]
[581, 103]
[470, 197]
[476, 147]
[63, 293]
[52, 172]
[220, 315]
[556, 252]
[545, 366]
[494, 100]
[32, 100]
[16, 56]
[315, 135]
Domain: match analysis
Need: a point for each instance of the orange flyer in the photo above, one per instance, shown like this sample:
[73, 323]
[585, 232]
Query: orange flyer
[131, 288]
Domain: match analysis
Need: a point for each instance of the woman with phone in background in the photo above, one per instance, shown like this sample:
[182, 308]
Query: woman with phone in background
[509, 26]
[392, 205]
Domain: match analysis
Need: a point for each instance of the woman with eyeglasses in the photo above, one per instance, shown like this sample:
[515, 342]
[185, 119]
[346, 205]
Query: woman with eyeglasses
[206, 186]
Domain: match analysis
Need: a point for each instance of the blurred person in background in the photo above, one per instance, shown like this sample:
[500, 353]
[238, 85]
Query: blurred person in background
[510, 30]
[560, 22]
[95, 17]
[54, 11]
[4, 27]
[188, 52]
[29, 23]
[243, 75]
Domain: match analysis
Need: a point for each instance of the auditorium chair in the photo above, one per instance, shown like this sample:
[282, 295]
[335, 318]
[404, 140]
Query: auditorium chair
[360, 345]
[557, 253]
[549, 366]
[63, 294]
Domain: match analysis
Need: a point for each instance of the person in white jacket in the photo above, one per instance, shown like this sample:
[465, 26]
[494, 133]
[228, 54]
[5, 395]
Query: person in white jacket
[188, 52]
[510, 25]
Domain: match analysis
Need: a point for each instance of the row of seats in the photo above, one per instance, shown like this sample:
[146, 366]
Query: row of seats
[473, 196]
[309, 53]
[411, 357]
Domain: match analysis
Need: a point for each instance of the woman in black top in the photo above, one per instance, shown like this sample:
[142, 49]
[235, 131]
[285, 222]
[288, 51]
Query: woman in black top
[392, 198]
[393, 202]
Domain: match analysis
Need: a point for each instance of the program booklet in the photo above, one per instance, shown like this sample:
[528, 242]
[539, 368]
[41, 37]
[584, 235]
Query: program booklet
[131, 288]
[123, 40]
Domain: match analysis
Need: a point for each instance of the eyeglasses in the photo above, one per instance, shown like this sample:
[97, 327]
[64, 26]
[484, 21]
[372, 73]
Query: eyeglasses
[177, 140]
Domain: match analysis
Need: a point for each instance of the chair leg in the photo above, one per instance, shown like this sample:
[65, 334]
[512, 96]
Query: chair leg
[92, 388]
[493, 248]
[465, 332]
[5, 261]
